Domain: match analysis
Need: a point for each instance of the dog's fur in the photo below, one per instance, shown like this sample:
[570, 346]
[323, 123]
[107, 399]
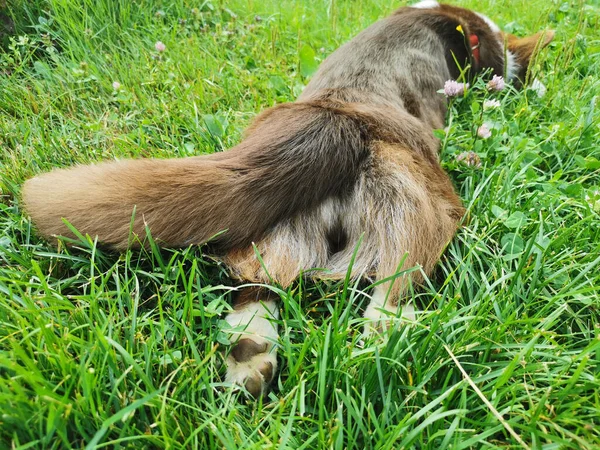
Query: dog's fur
[354, 158]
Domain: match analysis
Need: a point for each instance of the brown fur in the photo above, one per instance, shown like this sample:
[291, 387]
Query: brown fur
[525, 48]
[352, 161]
[353, 156]
[252, 294]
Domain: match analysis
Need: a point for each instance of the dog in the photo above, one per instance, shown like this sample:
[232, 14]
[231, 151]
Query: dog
[347, 175]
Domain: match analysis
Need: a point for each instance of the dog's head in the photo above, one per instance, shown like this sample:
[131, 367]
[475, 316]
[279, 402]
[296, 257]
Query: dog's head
[473, 40]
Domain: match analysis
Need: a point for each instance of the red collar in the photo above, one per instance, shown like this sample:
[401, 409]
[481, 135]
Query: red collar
[474, 41]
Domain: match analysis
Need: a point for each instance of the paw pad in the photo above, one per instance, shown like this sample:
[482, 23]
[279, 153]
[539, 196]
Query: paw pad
[246, 349]
[252, 365]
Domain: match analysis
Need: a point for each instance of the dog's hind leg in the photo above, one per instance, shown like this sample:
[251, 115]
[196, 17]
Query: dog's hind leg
[409, 214]
[252, 361]
[388, 298]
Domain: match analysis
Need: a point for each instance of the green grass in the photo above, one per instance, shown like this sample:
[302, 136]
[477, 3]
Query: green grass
[126, 350]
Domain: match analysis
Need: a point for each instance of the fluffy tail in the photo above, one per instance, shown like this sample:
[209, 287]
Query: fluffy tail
[294, 157]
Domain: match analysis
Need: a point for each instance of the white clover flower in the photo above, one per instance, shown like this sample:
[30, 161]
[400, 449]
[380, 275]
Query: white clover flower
[160, 47]
[496, 83]
[538, 87]
[484, 132]
[454, 88]
[594, 200]
[491, 104]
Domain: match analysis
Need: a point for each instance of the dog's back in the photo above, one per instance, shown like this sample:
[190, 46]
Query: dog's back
[295, 156]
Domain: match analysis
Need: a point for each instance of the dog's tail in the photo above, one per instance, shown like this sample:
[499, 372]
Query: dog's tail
[294, 156]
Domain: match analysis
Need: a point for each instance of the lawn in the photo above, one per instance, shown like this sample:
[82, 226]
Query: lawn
[125, 350]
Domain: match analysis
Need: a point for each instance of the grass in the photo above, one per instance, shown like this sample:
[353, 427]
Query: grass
[104, 350]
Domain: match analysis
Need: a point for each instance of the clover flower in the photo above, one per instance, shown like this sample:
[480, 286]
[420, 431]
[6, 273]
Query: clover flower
[593, 199]
[496, 83]
[160, 47]
[491, 104]
[470, 159]
[116, 85]
[484, 132]
[538, 87]
[454, 88]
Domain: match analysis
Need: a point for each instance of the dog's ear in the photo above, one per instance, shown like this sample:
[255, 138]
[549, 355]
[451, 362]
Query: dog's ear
[455, 37]
[524, 49]
[479, 36]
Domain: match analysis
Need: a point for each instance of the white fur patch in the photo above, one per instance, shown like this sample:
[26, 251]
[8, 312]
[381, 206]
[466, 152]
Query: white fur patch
[511, 65]
[409, 312]
[380, 312]
[252, 322]
[426, 4]
[490, 23]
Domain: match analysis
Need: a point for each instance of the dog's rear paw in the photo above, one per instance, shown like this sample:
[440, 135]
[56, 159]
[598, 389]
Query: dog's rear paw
[252, 364]
[379, 322]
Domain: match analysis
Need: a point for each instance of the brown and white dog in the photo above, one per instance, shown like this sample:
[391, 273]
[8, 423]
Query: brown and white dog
[353, 159]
